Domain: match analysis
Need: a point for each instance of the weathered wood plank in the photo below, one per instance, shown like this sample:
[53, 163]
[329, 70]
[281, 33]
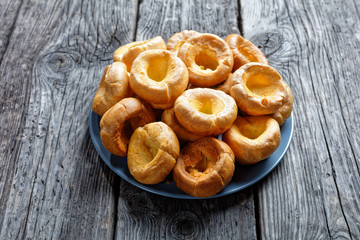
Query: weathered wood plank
[142, 215]
[53, 184]
[314, 193]
[145, 215]
[8, 13]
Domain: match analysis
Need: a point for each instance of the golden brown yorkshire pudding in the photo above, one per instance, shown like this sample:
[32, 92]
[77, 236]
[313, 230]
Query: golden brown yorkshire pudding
[176, 40]
[130, 51]
[224, 86]
[182, 133]
[253, 138]
[204, 167]
[114, 86]
[205, 111]
[152, 153]
[244, 51]
[119, 121]
[208, 58]
[159, 77]
[257, 89]
[285, 110]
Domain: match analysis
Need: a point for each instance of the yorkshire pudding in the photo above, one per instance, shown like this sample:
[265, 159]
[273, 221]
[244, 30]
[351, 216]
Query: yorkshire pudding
[244, 51]
[158, 77]
[204, 167]
[114, 86]
[118, 123]
[224, 86]
[182, 133]
[176, 40]
[253, 138]
[208, 58]
[130, 51]
[257, 89]
[285, 110]
[152, 153]
[205, 111]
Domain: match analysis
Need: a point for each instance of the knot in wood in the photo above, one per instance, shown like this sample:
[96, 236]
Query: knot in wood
[59, 62]
[185, 225]
[268, 42]
[55, 68]
[140, 203]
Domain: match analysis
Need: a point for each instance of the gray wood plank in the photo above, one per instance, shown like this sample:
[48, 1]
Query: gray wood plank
[314, 193]
[142, 215]
[8, 13]
[52, 182]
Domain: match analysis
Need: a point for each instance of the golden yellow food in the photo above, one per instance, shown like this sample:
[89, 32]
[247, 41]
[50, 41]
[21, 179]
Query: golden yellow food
[244, 51]
[258, 89]
[188, 84]
[224, 86]
[130, 51]
[204, 167]
[176, 40]
[159, 77]
[205, 111]
[152, 154]
[285, 110]
[182, 133]
[114, 86]
[118, 123]
[253, 138]
[208, 58]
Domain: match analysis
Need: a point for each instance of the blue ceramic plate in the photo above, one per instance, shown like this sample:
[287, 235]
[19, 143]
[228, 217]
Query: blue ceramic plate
[244, 176]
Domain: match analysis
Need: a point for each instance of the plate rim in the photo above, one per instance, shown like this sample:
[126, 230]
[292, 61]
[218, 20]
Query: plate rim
[186, 196]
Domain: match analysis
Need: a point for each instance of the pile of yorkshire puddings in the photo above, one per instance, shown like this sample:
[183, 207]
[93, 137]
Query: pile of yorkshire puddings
[164, 105]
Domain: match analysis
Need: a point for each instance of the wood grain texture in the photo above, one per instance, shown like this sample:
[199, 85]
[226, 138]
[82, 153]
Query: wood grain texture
[142, 215]
[8, 13]
[314, 193]
[52, 182]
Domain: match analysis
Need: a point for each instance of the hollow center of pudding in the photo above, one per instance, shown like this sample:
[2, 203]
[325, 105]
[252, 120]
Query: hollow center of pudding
[253, 129]
[207, 105]
[127, 130]
[148, 149]
[158, 67]
[200, 166]
[262, 83]
[207, 60]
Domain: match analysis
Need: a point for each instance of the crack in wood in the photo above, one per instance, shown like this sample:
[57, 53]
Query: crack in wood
[334, 176]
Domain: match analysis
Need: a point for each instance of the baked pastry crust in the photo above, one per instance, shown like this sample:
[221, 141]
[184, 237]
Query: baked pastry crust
[176, 40]
[119, 121]
[114, 86]
[253, 138]
[152, 154]
[224, 86]
[159, 77]
[244, 51]
[128, 52]
[205, 111]
[257, 89]
[182, 133]
[208, 58]
[285, 110]
[204, 167]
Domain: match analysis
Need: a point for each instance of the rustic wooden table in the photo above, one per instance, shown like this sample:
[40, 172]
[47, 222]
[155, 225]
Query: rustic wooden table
[53, 183]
